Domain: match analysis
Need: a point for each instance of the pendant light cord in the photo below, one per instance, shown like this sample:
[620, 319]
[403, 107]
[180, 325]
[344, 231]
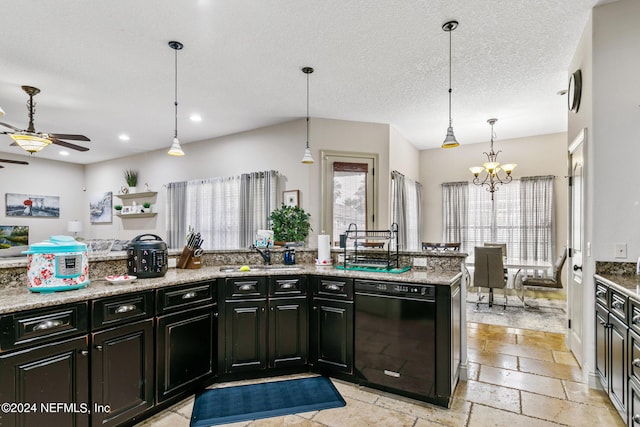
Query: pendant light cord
[307, 110]
[175, 102]
[450, 78]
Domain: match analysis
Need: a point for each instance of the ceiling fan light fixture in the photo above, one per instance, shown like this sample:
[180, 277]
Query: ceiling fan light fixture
[175, 149]
[30, 143]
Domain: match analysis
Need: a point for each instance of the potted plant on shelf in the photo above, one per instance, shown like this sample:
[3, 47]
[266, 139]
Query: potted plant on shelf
[146, 206]
[131, 178]
[118, 209]
[290, 224]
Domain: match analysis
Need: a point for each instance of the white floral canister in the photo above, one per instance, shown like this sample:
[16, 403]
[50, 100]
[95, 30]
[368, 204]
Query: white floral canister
[58, 264]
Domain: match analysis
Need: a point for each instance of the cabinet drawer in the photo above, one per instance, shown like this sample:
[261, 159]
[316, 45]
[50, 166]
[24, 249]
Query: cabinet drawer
[41, 325]
[287, 286]
[601, 294]
[634, 315]
[186, 296]
[333, 287]
[121, 308]
[634, 356]
[618, 305]
[249, 287]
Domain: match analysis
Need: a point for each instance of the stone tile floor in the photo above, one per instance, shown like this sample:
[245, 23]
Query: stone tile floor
[517, 377]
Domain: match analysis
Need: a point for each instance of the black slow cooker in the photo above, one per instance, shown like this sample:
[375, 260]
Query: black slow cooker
[147, 256]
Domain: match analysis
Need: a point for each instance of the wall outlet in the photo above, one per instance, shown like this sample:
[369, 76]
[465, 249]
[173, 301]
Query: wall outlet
[419, 262]
[340, 258]
[171, 262]
[621, 250]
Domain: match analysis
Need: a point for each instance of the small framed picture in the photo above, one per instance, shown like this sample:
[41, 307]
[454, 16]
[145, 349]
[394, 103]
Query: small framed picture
[291, 197]
[126, 210]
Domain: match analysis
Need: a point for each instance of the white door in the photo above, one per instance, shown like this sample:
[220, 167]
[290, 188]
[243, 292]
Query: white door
[575, 287]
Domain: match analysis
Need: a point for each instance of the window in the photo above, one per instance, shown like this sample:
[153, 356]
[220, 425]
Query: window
[521, 216]
[227, 211]
[348, 192]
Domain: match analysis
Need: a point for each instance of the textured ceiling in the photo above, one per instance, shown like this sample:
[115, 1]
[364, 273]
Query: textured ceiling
[104, 68]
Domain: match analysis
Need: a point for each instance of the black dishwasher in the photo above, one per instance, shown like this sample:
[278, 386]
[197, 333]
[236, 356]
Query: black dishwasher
[395, 337]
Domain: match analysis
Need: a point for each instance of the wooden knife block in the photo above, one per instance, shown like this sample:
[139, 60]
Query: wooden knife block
[187, 260]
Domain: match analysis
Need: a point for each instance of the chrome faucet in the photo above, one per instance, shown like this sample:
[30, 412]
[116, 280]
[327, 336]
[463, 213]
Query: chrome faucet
[266, 255]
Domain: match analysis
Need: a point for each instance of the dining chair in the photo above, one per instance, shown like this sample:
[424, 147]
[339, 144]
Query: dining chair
[489, 272]
[555, 281]
[502, 246]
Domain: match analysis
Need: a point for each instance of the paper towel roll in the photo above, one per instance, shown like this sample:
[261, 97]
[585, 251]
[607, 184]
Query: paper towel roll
[324, 248]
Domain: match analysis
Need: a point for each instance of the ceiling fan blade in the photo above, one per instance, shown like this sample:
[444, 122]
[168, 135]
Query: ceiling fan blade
[11, 127]
[68, 144]
[69, 136]
[17, 162]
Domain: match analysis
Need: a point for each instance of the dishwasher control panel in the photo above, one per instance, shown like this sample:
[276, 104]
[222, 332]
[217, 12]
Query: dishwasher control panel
[396, 288]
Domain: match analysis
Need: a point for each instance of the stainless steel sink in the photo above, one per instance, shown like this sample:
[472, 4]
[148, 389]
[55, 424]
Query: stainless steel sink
[236, 269]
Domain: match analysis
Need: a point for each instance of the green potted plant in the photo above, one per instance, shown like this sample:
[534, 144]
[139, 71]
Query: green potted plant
[118, 208]
[290, 224]
[131, 178]
[147, 206]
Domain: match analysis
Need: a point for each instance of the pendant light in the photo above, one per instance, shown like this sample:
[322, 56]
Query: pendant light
[175, 149]
[450, 140]
[307, 159]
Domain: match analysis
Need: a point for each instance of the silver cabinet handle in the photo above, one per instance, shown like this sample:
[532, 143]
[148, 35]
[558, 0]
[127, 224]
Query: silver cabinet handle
[246, 287]
[125, 308]
[601, 294]
[47, 324]
[215, 314]
[636, 363]
[617, 304]
[189, 295]
[84, 352]
[99, 347]
[287, 286]
[635, 319]
[636, 418]
[332, 287]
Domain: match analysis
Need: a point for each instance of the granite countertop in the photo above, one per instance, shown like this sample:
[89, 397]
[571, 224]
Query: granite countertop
[19, 299]
[627, 283]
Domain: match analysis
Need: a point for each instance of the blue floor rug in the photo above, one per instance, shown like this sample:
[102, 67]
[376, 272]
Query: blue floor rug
[271, 399]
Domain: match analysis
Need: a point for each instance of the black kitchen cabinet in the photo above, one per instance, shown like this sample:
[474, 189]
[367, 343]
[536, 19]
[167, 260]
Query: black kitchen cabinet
[44, 360]
[47, 376]
[245, 335]
[288, 322]
[612, 349]
[266, 323]
[331, 343]
[122, 376]
[122, 355]
[185, 339]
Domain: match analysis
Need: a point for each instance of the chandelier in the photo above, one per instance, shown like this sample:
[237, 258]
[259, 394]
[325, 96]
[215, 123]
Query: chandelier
[489, 173]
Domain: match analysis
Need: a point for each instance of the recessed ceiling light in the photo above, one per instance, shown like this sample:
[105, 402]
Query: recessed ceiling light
[63, 153]
[124, 137]
[195, 118]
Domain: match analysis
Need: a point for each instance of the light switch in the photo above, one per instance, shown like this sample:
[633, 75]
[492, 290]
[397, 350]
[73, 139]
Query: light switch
[621, 250]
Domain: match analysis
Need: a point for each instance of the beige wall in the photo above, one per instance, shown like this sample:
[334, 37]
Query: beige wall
[47, 178]
[277, 147]
[538, 155]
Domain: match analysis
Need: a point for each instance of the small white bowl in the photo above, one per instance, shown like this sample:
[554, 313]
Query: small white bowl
[121, 280]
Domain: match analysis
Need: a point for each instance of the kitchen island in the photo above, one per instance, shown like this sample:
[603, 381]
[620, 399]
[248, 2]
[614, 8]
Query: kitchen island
[192, 327]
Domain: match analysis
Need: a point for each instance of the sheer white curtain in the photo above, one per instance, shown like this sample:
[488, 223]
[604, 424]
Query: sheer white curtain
[406, 202]
[258, 197]
[521, 215]
[455, 208]
[226, 211]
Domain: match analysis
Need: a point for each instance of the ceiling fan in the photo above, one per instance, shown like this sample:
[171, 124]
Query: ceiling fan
[33, 141]
[17, 162]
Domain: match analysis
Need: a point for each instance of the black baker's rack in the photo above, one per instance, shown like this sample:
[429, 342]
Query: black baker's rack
[371, 248]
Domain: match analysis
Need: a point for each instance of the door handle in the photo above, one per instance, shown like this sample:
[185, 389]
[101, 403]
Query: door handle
[577, 267]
